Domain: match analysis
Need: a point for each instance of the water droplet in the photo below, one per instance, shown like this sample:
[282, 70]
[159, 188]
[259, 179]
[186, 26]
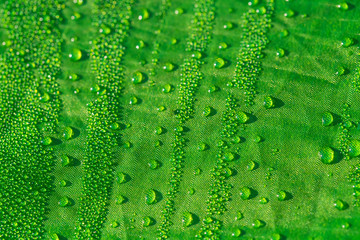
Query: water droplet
[223, 45]
[208, 111]
[340, 205]
[75, 54]
[251, 165]
[236, 140]
[173, 41]
[73, 77]
[161, 108]
[147, 221]
[65, 160]
[236, 232]
[345, 225]
[354, 148]
[219, 63]
[280, 52]
[114, 126]
[327, 119]
[44, 97]
[242, 117]
[253, 2]
[78, 2]
[187, 219]
[122, 177]
[54, 236]
[120, 199]
[144, 14]
[151, 197]
[46, 141]
[264, 200]
[228, 156]
[179, 11]
[75, 16]
[62, 183]
[276, 236]
[284, 33]
[68, 133]
[258, 223]
[158, 143]
[133, 100]
[245, 193]
[340, 71]
[213, 88]
[114, 224]
[127, 144]
[138, 77]
[159, 130]
[197, 171]
[167, 88]
[95, 88]
[154, 164]
[228, 25]
[141, 44]
[239, 216]
[168, 67]
[327, 155]
[343, 6]
[196, 55]
[227, 172]
[64, 201]
[347, 42]
[191, 191]
[289, 13]
[261, 10]
[282, 195]
[269, 102]
[257, 139]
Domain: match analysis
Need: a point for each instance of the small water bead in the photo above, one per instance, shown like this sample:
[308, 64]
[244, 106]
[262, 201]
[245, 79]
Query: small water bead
[269, 102]
[208, 111]
[280, 52]
[239, 215]
[343, 6]
[354, 148]
[65, 160]
[144, 14]
[219, 63]
[340, 205]
[251, 165]
[340, 71]
[289, 13]
[347, 42]
[284, 33]
[264, 200]
[179, 11]
[114, 224]
[257, 139]
[245, 193]
[68, 133]
[141, 44]
[44, 97]
[327, 155]
[191, 191]
[151, 197]
[95, 88]
[179, 129]
[236, 232]
[197, 172]
[202, 146]
[276, 236]
[261, 10]
[73, 76]
[327, 119]
[229, 156]
[158, 143]
[347, 124]
[258, 224]
[122, 177]
[138, 77]
[253, 2]
[161, 108]
[173, 41]
[227, 172]
[114, 126]
[345, 225]
[75, 54]
[54, 236]
[120, 199]
[236, 140]
[75, 16]
[147, 221]
[154, 164]
[159, 130]
[168, 67]
[64, 201]
[78, 2]
[196, 55]
[282, 195]
[242, 117]
[62, 183]
[187, 219]
[223, 45]
[228, 25]
[213, 89]
[46, 141]
[133, 100]
[167, 88]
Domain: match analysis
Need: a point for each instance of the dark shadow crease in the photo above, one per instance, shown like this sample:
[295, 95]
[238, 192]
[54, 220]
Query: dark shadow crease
[252, 118]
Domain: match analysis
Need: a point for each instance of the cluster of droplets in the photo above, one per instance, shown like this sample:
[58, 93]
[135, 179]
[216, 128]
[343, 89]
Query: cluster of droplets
[102, 133]
[255, 25]
[29, 108]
